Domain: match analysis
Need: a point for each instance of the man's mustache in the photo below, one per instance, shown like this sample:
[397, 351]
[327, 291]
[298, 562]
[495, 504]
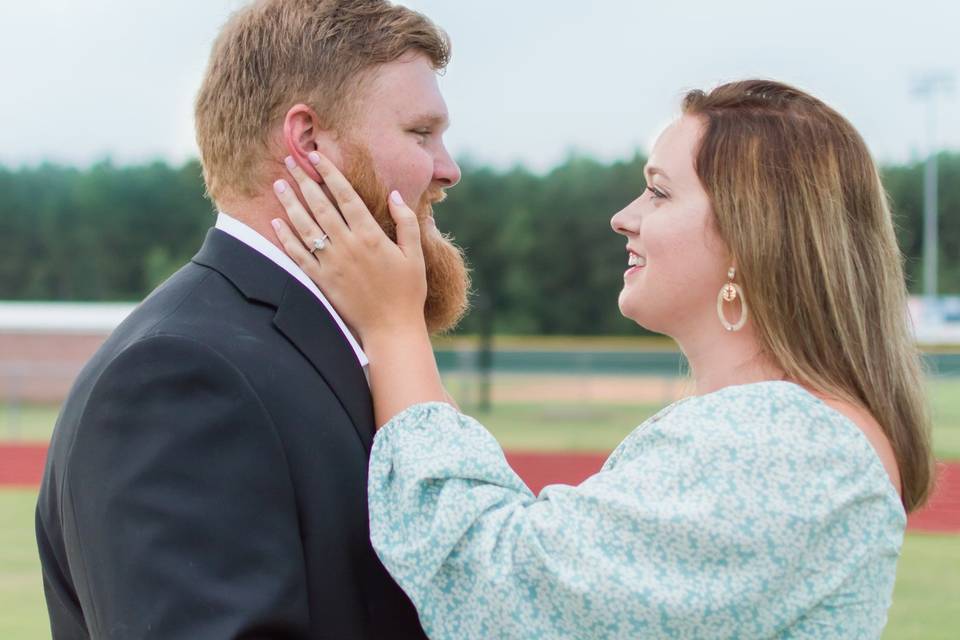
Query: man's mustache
[433, 196]
[428, 200]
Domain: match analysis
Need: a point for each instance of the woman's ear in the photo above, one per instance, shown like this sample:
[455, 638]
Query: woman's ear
[302, 134]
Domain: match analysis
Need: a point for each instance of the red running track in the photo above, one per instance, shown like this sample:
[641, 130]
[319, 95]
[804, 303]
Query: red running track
[22, 466]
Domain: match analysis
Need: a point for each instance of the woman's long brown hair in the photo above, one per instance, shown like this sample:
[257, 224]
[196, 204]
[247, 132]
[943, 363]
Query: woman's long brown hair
[798, 200]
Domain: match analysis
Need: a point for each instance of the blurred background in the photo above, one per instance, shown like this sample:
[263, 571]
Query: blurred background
[554, 105]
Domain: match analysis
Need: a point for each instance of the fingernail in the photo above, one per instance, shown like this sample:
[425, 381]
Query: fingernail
[314, 157]
[280, 186]
[276, 225]
[290, 163]
[396, 197]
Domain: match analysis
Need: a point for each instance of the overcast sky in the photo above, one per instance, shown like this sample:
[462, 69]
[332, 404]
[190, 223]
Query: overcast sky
[530, 81]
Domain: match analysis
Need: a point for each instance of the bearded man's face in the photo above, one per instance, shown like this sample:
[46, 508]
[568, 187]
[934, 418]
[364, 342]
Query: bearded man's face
[394, 141]
[448, 279]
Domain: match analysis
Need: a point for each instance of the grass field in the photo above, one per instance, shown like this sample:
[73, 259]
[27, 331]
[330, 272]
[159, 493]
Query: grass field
[537, 413]
[558, 413]
[26, 423]
[23, 614]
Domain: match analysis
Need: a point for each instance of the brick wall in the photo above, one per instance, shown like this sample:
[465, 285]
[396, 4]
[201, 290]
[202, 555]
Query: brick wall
[40, 367]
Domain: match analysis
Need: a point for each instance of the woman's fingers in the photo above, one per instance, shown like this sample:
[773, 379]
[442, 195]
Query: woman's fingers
[303, 222]
[354, 211]
[408, 227]
[322, 210]
[295, 250]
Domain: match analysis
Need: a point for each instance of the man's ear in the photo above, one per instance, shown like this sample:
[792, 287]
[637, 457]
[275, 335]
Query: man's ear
[302, 134]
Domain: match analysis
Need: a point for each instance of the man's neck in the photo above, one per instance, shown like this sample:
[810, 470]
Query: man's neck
[256, 213]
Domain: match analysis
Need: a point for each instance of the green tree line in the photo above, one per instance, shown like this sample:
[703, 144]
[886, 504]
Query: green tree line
[544, 258]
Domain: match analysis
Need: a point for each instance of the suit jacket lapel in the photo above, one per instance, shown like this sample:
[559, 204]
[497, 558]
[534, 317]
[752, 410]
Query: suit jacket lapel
[300, 317]
[308, 325]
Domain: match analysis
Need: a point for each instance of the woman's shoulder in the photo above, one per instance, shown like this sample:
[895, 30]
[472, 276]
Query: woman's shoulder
[767, 428]
[871, 430]
[761, 412]
[779, 411]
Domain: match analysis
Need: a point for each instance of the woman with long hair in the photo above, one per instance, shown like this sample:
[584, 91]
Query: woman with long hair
[771, 503]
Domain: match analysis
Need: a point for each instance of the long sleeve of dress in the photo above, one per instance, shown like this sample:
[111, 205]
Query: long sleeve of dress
[700, 525]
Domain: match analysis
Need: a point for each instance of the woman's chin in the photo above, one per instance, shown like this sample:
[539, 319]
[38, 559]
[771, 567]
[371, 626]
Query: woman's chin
[642, 317]
[627, 309]
[622, 304]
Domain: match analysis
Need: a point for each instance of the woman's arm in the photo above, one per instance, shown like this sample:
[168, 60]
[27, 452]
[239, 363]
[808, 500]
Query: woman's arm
[677, 539]
[403, 372]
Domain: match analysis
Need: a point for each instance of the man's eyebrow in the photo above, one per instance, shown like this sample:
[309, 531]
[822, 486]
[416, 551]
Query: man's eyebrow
[431, 119]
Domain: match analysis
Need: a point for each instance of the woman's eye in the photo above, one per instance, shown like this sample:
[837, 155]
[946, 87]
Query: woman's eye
[656, 193]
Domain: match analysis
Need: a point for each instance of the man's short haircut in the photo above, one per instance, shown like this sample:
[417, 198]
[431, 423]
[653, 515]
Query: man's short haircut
[273, 54]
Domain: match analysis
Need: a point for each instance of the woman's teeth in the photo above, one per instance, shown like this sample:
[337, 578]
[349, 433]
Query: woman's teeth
[636, 261]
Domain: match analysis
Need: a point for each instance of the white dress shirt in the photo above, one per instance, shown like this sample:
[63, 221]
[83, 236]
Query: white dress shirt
[261, 245]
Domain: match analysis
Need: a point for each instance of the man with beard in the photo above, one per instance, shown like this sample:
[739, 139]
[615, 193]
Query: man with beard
[207, 475]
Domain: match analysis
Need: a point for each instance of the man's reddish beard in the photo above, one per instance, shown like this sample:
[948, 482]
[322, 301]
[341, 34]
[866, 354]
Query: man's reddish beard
[448, 279]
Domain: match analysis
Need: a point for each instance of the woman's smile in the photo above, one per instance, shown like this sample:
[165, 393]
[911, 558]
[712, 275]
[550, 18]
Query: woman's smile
[635, 262]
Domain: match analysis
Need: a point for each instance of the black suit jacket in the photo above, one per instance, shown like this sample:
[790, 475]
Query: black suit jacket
[207, 476]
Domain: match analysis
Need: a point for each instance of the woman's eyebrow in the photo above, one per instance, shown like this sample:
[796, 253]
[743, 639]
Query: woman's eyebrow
[651, 170]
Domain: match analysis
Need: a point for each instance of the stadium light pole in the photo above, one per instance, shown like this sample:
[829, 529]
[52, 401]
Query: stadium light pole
[927, 88]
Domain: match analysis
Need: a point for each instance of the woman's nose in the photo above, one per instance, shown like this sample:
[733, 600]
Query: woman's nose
[626, 221]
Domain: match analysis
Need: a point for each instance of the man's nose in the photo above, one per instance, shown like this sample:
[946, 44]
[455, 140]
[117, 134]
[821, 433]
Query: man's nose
[446, 171]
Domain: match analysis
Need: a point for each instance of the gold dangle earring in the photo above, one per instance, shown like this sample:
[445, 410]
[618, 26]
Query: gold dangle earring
[728, 293]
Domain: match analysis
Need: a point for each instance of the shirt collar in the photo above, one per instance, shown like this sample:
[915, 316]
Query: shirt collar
[261, 245]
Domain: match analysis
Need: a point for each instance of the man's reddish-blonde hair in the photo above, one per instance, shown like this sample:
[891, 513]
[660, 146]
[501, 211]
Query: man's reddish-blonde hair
[274, 54]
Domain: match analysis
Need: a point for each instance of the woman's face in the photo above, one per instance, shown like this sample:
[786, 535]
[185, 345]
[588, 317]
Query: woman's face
[677, 261]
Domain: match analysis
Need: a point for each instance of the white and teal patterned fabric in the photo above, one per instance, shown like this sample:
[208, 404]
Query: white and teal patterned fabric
[756, 511]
